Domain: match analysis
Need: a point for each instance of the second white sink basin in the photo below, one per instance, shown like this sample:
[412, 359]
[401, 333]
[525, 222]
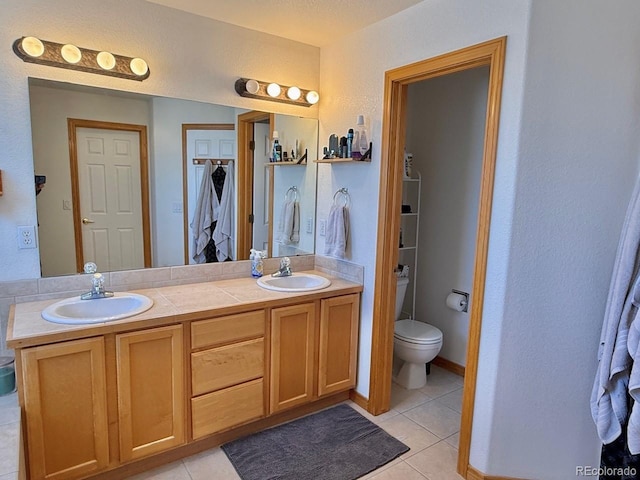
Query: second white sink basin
[297, 282]
[75, 311]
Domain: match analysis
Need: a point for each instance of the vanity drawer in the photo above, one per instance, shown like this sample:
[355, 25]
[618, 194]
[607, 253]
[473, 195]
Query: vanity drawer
[226, 408]
[225, 366]
[231, 328]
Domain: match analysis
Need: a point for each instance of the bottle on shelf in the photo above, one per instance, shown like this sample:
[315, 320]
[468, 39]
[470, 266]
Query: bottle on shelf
[276, 153]
[363, 140]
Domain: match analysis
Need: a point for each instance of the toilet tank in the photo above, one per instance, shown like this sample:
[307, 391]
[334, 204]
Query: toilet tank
[401, 291]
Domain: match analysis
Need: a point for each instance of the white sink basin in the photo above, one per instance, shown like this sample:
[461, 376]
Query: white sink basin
[75, 311]
[297, 282]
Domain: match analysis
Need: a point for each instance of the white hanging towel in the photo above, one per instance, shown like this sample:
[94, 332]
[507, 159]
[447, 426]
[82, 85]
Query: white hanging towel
[337, 234]
[207, 207]
[618, 373]
[223, 230]
[289, 223]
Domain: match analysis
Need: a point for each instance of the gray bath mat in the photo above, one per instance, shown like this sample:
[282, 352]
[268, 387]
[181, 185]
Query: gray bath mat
[334, 444]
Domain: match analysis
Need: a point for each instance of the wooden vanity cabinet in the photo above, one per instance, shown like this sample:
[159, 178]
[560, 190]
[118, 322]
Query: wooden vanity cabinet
[313, 355]
[65, 406]
[227, 370]
[151, 394]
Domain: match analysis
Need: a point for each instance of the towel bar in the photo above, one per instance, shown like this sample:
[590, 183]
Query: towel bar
[344, 194]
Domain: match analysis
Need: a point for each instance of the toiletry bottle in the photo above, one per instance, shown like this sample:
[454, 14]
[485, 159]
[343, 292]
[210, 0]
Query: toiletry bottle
[363, 140]
[350, 143]
[257, 266]
[277, 151]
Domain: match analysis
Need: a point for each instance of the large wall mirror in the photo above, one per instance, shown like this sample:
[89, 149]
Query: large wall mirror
[124, 171]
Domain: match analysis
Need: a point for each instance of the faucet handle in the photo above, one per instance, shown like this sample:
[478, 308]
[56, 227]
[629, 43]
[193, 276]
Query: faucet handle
[285, 262]
[90, 267]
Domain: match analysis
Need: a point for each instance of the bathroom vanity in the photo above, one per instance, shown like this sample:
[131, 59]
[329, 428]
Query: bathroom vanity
[209, 362]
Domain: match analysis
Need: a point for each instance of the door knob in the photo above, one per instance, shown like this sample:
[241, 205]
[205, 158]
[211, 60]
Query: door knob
[86, 221]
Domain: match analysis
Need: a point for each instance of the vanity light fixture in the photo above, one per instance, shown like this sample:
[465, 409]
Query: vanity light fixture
[250, 88]
[43, 52]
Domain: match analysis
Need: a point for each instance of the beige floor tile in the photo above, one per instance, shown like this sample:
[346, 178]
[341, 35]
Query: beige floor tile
[9, 476]
[452, 400]
[210, 464]
[437, 462]
[401, 471]
[436, 418]
[453, 440]
[171, 471]
[403, 399]
[410, 433]
[8, 456]
[440, 382]
[375, 419]
[378, 471]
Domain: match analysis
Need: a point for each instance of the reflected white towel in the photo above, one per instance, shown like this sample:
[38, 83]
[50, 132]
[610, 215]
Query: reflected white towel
[337, 233]
[207, 207]
[222, 233]
[289, 223]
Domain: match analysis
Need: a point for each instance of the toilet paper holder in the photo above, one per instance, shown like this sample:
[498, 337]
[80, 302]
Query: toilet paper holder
[465, 301]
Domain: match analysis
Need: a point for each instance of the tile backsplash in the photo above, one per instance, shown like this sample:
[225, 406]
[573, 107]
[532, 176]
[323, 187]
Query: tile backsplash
[66, 286]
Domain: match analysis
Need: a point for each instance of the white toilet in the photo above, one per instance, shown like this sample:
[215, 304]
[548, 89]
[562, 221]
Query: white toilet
[414, 344]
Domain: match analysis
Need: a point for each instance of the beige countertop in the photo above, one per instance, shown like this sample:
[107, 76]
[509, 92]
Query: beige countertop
[170, 305]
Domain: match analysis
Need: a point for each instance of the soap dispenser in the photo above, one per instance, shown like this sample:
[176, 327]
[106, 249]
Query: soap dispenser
[257, 265]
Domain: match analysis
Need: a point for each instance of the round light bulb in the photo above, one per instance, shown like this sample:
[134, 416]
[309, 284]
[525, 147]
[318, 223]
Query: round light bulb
[139, 67]
[252, 87]
[106, 60]
[273, 89]
[71, 53]
[293, 93]
[32, 46]
[312, 97]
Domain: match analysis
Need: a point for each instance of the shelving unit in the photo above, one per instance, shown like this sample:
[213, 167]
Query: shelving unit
[410, 224]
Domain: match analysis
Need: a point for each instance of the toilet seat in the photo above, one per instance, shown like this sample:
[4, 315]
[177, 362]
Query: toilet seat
[420, 333]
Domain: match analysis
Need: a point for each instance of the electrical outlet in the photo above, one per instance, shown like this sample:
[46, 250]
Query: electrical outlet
[27, 236]
[66, 204]
[309, 225]
[323, 228]
[176, 207]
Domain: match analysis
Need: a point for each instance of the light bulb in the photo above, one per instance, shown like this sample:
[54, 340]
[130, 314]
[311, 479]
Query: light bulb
[139, 66]
[32, 46]
[71, 53]
[273, 89]
[106, 60]
[252, 86]
[293, 93]
[312, 97]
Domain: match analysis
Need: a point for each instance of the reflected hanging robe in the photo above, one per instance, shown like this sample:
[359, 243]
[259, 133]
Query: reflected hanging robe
[217, 180]
[222, 232]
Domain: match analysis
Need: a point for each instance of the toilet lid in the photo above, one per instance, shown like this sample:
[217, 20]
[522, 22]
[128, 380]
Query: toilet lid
[417, 332]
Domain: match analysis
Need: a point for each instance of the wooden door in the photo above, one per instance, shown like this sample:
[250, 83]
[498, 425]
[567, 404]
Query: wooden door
[261, 186]
[110, 201]
[151, 395]
[65, 405]
[293, 332]
[339, 318]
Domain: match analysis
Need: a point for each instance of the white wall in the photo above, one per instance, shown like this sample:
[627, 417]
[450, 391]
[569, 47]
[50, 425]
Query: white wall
[189, 57]
[50, 108]
[577, 164]
[445, 133]
[352, 79]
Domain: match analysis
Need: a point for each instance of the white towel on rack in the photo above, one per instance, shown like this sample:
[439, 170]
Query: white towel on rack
[289, 223]
[337, 234]
[204, 215]
[222, 233]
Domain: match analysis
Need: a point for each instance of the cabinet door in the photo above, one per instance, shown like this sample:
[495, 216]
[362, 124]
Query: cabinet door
[65, 404]
[293, 332]
[151, 403]
[339, 317]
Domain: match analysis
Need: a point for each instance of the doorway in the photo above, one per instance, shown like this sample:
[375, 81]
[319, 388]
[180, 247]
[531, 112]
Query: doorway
[490, 54]
[111, 222]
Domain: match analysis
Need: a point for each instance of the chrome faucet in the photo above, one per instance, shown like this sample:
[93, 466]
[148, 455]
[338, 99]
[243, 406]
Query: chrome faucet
[285, 268]
[97, 284]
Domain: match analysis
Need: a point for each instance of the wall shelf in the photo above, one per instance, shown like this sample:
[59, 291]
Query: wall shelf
[366, 158]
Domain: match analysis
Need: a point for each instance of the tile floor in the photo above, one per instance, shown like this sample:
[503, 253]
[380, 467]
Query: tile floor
[426, 420]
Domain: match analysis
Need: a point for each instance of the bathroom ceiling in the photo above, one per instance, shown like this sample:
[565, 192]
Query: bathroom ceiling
[315, 22]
